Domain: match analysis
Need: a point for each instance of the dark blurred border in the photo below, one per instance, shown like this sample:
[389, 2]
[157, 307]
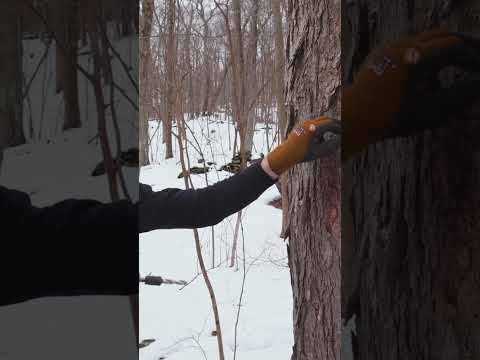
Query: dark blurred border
[411, 209]
[62, 138]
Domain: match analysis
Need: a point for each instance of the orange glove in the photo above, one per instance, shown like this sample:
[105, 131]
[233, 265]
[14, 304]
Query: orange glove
[390, 97]
[308, 141]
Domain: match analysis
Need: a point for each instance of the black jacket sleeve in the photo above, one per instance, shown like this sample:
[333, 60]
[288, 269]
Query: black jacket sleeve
[84, 247]
[175, 208]
[76, 247]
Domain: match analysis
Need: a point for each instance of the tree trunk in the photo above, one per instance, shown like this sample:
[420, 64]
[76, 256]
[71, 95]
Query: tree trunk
[221, 85]
[189, 65]
[313, 84]
[145, 86]
[96, 81]
[11, 103]
[279, 75]
[239, 82]
[67, 76]
[251, 78]
[171, 60]
[207, 67]
[413, 261]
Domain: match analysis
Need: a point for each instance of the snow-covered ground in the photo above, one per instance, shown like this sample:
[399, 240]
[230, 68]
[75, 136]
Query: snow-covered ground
[181, 320]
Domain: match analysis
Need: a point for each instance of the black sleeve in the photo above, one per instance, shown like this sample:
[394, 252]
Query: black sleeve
[175, 208]
[76, 247]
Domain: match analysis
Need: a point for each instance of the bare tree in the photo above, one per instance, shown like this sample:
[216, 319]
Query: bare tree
[206, 54]
[251, 77]
[171, 60]
[96, 81]
[198, 247]
[279, 67]
[239, 72]
[11, 102]
[188, 61]
[67, 33]
[145, 82]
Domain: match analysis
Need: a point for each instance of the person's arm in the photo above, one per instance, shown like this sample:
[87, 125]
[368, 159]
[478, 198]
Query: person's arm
[76, 247]
[175, 208]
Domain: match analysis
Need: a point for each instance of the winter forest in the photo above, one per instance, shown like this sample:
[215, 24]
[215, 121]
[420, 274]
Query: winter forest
[211, 58]
[213, 78]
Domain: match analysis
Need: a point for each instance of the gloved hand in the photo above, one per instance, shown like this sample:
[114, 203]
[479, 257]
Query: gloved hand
[390, 95]
[308, 141]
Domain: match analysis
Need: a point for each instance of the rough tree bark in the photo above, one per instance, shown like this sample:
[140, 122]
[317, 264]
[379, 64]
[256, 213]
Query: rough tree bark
[145, 66]
[414, 259]
[313, 86]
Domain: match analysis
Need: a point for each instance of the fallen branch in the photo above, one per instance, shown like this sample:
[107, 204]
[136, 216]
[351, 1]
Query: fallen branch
[158, 280]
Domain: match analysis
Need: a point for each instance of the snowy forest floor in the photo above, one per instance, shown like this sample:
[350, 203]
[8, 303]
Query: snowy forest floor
[181, 319]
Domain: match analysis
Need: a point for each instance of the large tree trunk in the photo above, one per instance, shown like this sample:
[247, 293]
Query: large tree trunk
[145, 86]
[313, 85]
[411, 269]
